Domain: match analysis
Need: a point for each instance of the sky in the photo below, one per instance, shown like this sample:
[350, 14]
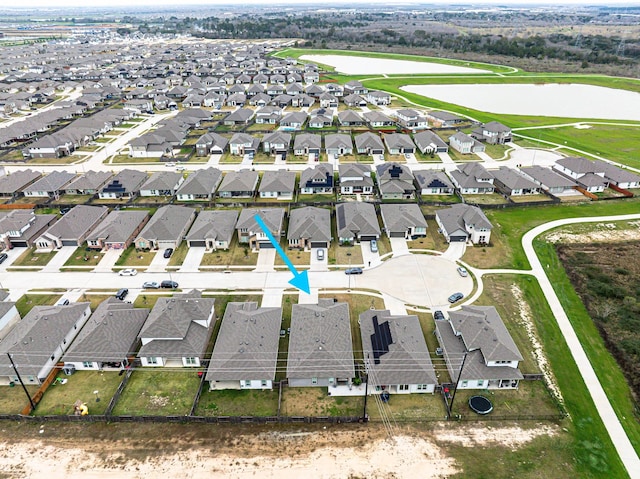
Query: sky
[135, 3]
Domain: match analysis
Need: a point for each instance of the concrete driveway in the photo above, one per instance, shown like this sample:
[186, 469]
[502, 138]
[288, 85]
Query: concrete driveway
[369, 259]
[272, 298]
[108, 261]
[455, 251]
[192, 260]
[316, 264]
[59, 259]
[13, 254]
[399, 246]
[266, 257]
[158, 263]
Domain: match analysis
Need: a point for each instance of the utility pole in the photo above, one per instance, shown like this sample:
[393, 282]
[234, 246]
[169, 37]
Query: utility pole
[366, 390]
[33, 406]
[455, 386]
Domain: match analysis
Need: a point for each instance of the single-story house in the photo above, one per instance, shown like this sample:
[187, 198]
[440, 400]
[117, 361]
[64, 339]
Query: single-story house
[213, 230]
[513, 183]
[549, 180]
[309, 227]
[73, 228]
[338, 144]
[49, 186]
[462, 222]
[307, 144]
[433, 182]
[280, 184]
[239, 184]
[356, 221]
[162, 183]
[13, 183]
[429, 143]
[118, 230]
[166, 228]
[200, 185]
[125, 185]
[369, 143]
[403, 220]
[88, 183]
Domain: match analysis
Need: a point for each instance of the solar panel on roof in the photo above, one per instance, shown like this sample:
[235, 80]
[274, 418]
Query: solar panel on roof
[380, 339]
[395, 171]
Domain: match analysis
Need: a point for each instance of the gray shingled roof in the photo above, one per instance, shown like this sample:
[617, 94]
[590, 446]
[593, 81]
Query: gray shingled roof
[162, 180]
[77, 221]
[118, 226]
[458, 216]
[167, 223]
[54, 181]
[513, 179]
[243, 180]
[356, 219]
[320, 341]
[110, 334]
[247, 344]
[428, 178]
[280, 180]
[319, 171]
[424, 138]
[408, 360]
[307, 140]
[17, 180]
[215, 225]
[91, 180]
[368, 140]
[32, 340]
[580, 165]
[311, 223]
[400, 217]
[175, 326]
[615, 174]
[338, 140]
[547, 177]
[201, 182]
[130, 180]
[398, 140]
[272, 218]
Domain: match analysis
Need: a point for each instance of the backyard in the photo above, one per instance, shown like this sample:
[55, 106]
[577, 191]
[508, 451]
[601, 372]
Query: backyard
[231, 402]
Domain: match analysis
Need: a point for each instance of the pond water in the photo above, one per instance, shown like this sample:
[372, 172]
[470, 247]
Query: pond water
[354, 65]
[570, 100]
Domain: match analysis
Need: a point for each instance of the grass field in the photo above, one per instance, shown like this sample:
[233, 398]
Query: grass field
[248, 402]
[29, 300]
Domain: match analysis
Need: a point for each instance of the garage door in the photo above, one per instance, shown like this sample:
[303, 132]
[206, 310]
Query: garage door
[318, 244]
[22, 244]
[194, 243]
[265, 245]
[367, 238]
[397, 234]
[69, 243]
[458, 238]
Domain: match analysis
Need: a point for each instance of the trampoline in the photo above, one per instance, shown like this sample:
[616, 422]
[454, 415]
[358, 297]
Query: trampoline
[480, 404]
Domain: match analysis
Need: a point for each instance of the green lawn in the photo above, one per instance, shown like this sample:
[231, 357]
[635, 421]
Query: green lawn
[160, 391]
[31, 258]
[29, 300]
[236, 255]
[317, 402]
[13, 399]
[82, 257]
[81, 386]
[131, 258]
[248, 402]
[179, 254]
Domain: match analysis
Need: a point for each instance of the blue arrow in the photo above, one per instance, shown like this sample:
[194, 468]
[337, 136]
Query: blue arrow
[300, 279]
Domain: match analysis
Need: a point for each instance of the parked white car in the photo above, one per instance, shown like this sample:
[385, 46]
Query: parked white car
[128, 272]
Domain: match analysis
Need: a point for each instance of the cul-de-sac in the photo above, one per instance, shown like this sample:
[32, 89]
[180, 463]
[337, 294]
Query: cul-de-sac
[258, 241]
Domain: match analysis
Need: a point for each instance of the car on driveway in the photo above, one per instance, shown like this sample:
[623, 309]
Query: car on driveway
[150, 285]
[353, 271]
[128, 272]
[455, 297]
[438, 315]
[122, 293]
[320, 254]
[168, 252]
[462, 271]
[3, 257]
[169, 284]
[374, 246]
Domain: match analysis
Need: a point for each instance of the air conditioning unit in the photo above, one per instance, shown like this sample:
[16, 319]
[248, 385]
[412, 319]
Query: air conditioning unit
[69, 369]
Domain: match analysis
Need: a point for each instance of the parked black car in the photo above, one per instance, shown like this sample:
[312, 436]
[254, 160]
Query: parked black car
[169, 284]
[122, 293]
[3, 256]
[438, 315]
[168, 252]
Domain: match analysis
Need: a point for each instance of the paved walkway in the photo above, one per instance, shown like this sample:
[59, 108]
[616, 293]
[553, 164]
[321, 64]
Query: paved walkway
[394, 305]
[611, 422]
[272, 298]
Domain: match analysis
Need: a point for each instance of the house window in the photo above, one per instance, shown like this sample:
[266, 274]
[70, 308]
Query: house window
[152, 360]
[482, 239]
[404, 387]
[52, 357]
[263, 383]
[464, 384]
[330, 380]
[247, 383]
[314, 380]
[87, 364]
[190, 361]
[480, 382]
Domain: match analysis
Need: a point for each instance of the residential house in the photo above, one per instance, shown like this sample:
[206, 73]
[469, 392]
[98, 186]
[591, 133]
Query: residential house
[242, 116]
[462, 222]
[243, 144]
[320, 118]
[211, 144]
[107, 339]
[473, 178]
[588, 174]
[429, 143]
[150, 145]
[251, 234]
[118, 230]
[166, 228]
[377, 119]
[513, 183]
[399, 143]
[162, 183]
[49, 186]
[13, 183]
[200, 185]
[433, 182]
[320, 347]
[476, 340]
[395, 181]
[39, 340]
[550, 181]
[268, 115]
[620, 177]
[213, 230]
[369, 144]
[464, 144]
[238, 99]
[338, 144]
[276, 143]
[278, 184]
[293, 120]
[396, 356]
[239, 184]
[356, 221]
[350, 118]
[9, 315]
[410, 119]
[125, 185]
[21, 227]
[317, 179]
[403, 221]
[246, 351]
[309, 227]
[354, 100]
[494, 133]
[73, 228]
[177, 331]
[354, 86]
[327, 100]
[88, 183]
[444, 119]
[307, 144]
[379, 98]
[355, 179]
